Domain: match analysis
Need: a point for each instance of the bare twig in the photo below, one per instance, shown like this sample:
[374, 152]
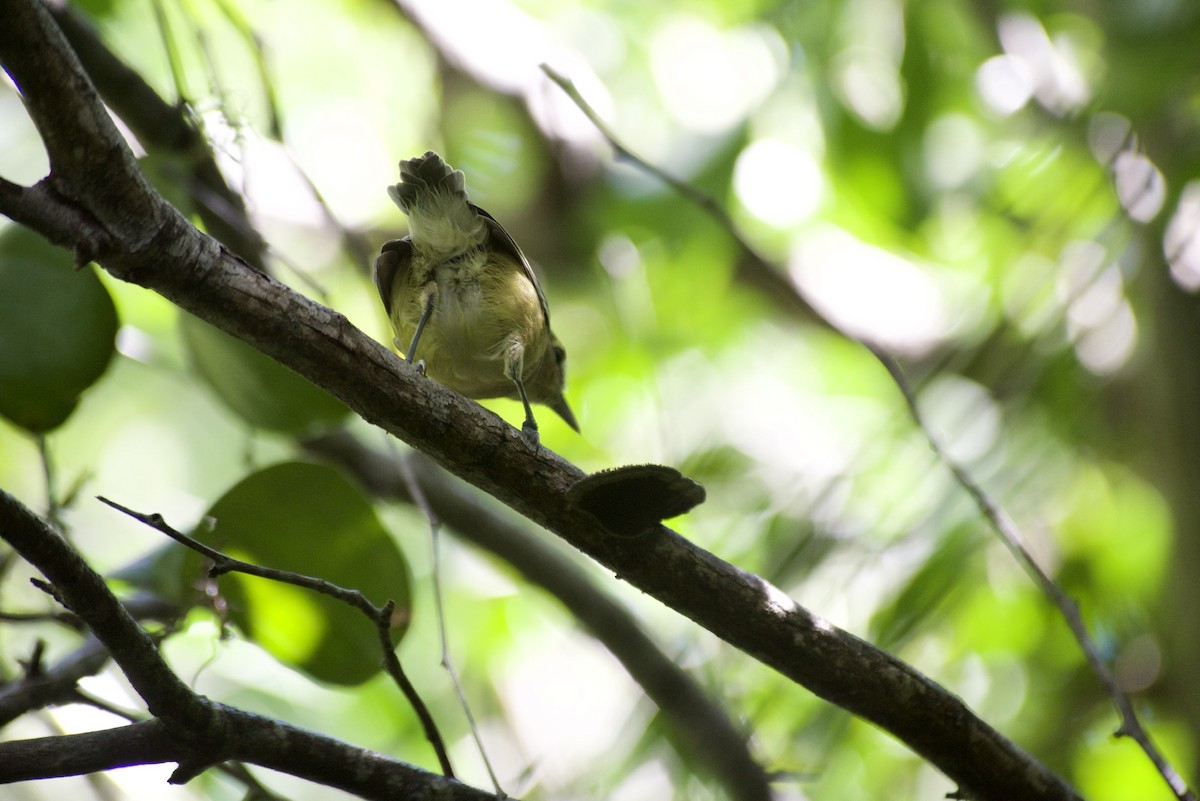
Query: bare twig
[53, 508]
[754, 268]
[435, 529]
[80, 696]
[1010, 535]
[380, 617]
[51, 685]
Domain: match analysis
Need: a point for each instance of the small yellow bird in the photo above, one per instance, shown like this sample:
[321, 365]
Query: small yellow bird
[460, 288]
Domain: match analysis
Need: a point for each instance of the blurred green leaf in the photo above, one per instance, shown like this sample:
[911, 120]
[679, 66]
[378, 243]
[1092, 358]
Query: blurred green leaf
[938, 581]
[1121, 528]
[57, 328]
[1013, 622]
[310, 519]
[260, 390]
[1114, 768]
[98, 8]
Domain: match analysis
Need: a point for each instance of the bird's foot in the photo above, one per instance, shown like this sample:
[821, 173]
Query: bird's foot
[529, 430]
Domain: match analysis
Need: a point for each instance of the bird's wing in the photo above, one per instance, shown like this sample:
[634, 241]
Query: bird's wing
[394, 260]
[503, 240]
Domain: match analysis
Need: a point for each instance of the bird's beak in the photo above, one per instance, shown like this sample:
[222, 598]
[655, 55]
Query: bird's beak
[559, 405]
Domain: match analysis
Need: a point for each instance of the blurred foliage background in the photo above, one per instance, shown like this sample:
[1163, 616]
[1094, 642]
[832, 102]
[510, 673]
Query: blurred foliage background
[1001, 193]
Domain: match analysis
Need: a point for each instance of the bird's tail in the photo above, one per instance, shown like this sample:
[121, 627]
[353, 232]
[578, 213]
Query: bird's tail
[423, 176]
[434, 196]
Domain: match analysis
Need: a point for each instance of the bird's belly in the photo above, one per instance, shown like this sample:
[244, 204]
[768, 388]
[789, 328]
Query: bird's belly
[476, 318]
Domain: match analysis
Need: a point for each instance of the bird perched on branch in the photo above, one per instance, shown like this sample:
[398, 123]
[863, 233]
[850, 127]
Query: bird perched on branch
[461, 294]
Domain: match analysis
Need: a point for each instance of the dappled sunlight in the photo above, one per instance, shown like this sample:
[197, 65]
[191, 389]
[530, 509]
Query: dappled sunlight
[866, 67]
[1040, 66]
[710, 79]
[999, 686]
[954, 150]
[780, 604]
[1083, 296]
[870, 87]
[272, 181]
[567, 701]
[1005, 84]
[498, 30]
[1140, 186]
[778, 182]
[1181, 243]
[963, 416]
[1105, 348]
[504, 47]
[22, 155]
[650, 781]
[870, 292]
[1139, 664]
[1100, 322]
[1088, 285]
[346, 184]
[801, 440]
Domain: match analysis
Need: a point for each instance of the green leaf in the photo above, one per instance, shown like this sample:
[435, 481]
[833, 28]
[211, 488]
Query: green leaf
[261, 391]
[99, 8]
[928, 591]
[57, 329]
[310, 519]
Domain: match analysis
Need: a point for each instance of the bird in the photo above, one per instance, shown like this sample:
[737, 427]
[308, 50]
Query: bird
[459, 292]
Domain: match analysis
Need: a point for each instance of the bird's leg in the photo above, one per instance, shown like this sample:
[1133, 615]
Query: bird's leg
[430, 293]
[514, 366]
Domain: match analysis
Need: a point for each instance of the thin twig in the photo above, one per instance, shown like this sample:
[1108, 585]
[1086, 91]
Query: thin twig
[435, 529]
[381, 617]
[1010, 535]
[755, 269]
[255, 48]
[80, 696]
[171, 48]
[53, 509]
[991, 511]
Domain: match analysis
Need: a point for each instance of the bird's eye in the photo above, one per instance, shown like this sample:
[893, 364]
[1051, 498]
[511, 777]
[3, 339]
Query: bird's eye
[560, 355]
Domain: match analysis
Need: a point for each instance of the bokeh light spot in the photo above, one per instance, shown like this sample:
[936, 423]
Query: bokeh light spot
[778, 182]
[1181, 243]
[710, 79]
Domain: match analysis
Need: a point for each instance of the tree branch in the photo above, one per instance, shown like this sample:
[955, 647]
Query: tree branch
[380, 616]
[53, 685]
[154, 247]
[43, 686]
[200, 732]
[701, 727]
[145, 743]
[162, 127]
